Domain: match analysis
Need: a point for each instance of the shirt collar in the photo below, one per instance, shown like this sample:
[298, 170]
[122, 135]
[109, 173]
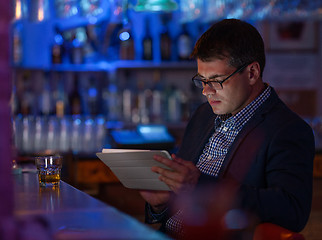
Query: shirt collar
[221, 119]
[239, 119]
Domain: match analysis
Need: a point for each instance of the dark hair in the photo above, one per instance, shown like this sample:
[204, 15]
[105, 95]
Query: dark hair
[233, 39]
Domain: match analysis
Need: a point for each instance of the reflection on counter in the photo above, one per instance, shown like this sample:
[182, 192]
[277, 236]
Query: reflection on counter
[90, 218]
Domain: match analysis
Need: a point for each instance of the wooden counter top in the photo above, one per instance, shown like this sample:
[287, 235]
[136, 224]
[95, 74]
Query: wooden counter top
[73, 214]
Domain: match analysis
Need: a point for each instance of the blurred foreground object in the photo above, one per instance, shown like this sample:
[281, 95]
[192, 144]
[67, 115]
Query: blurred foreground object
[26, 228]
[269, 231]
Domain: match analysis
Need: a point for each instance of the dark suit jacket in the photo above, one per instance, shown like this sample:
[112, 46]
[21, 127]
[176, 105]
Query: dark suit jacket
[271, 158]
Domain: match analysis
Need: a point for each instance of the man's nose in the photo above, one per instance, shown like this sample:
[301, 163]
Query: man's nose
[207, 89]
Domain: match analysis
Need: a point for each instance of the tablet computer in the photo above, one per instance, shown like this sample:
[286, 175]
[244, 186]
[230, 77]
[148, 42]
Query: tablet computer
[133, 167]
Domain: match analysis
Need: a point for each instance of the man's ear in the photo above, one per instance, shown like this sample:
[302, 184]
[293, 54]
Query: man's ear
[254, 71]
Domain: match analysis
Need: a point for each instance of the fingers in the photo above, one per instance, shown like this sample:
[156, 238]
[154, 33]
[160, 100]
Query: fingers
[180, 168]
[184, 174]
[174, 175]
[169, 177]
[177, 164]
[185, 163]
[176, 171]
[173, 185]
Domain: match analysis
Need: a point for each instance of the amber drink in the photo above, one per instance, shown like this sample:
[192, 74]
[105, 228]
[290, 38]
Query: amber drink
[49, 170]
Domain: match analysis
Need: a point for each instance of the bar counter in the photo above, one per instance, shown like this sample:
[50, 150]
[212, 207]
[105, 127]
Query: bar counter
[73, 214]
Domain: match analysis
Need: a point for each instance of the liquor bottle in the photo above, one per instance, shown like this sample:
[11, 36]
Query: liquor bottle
[75, 98]
[26, 108]
[147, 44]
[165, 45]
[57, 49]
[17, 44]
[129, 96]
[14, 101]
[92, 97]
[90, 48]
[61, 99]
[156, 102]
[46, 103]
[77, 55]
[165, 39]
[113, 101]
[184, 44]
[127, 104]
[174, 98]
[126, 44]
[27, 96]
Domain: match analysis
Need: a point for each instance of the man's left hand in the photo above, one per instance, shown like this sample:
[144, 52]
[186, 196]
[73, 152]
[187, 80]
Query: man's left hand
[182, 178]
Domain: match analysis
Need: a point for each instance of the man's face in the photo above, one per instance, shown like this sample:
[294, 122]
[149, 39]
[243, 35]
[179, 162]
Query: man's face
[236, 92]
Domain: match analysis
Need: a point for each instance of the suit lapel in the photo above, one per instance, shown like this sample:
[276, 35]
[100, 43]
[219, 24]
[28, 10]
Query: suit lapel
[258, 117]
[238, 140]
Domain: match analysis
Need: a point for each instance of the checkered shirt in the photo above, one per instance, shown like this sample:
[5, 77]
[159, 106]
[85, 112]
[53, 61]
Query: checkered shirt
[226, 129]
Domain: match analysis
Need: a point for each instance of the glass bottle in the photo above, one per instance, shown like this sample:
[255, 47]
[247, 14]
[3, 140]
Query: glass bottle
[165, 39]
[57, 48]
[126, 45]
[147, 44]
[77, 54]
[17, 46]
[165, 45]
[75, 98]
[184, 44]
[92, 97]
[46, 103]
[61, 98]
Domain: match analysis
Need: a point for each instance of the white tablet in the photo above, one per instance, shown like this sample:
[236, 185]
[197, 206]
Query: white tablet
[133, 167]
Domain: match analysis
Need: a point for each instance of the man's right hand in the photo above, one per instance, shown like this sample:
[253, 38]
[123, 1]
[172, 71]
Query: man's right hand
[157, 199]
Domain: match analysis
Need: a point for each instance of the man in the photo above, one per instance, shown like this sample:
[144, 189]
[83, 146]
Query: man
[245, 137]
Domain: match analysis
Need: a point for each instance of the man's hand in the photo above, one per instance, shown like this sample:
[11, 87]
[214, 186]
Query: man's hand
[182, 178]
[157, 199]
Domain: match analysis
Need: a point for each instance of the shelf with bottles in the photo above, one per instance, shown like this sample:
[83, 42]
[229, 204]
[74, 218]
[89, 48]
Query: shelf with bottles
[80, 56]
[37, 92]
[143, 46]
[78, 75]
[56, 112]
[65, 110]
[153, 40]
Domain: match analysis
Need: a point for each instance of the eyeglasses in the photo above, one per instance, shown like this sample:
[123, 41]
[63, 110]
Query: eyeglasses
[201, 82]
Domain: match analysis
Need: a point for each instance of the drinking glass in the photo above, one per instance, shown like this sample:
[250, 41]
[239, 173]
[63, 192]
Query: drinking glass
[49, 170]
